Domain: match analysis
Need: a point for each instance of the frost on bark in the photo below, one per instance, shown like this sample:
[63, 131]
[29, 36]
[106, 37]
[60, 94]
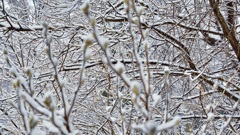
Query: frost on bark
[119, 67]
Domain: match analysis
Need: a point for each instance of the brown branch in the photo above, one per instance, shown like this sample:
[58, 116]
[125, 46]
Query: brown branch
[189, 28]
[35, 28]
[181, 46]
[125, 61]
[228, 33]
[222, 90]
[230, 13]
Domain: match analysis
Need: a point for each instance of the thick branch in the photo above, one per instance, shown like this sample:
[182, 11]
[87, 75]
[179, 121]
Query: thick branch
[228, 33]
[221, 89]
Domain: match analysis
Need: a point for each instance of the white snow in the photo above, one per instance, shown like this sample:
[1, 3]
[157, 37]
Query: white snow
[208, 107]
[49, 39]
[88, 53]
[144, 111]
[44, 26]
[235, 105]
[120, 94]
[38, 131]
[33, 103]
[134, 98]
[103, 42]
[166, 71]
[59, 121]
[50, 126]
[217, 37]
[88, 40]
[13, 71]
[156, 98]
[55, 61]
[108, 108]
[215, 86]
[146, 32]
[119, 67]
[210, 116]
[105, 61]
[139, 9]
[141, 127]
[135, 87]
[150, 127]
[113, 119]
[83, 77]
[60, 112]
[176, 121]
[145, 44]
[135, 20]
[49, 97]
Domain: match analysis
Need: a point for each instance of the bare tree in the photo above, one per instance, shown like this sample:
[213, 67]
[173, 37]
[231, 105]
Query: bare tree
[120, 67]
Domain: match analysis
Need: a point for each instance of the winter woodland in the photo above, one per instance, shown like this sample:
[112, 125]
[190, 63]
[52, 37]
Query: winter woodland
[120, 67]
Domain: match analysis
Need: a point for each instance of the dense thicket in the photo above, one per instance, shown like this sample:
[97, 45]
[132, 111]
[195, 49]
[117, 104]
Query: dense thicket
[120, 67]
